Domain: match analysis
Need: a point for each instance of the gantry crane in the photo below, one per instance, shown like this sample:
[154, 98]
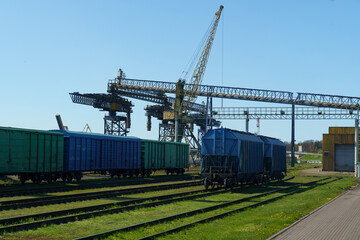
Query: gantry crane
[185, 112]
[174, 112]
[185, 99]
[113, 124]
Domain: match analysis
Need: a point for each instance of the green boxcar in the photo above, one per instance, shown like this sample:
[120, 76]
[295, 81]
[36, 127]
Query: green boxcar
[32, 154]
[170, 156]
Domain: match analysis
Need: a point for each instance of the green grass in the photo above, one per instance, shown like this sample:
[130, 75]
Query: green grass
[295, 171]
[256, 223]
[71, 205]
[264, 221]
[7, 181]
[311, 157]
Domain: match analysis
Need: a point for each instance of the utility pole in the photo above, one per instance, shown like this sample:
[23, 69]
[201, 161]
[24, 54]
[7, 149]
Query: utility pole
[356, 172]
[247, 121]
[292, 135]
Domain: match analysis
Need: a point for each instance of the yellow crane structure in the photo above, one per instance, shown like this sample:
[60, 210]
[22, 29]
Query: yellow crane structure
[87, 128]
[185, 98]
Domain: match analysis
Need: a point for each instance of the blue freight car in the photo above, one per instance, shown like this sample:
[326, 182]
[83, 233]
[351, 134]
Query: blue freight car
[230, 156]
[97, 152]
[49, 155]
[274, 158]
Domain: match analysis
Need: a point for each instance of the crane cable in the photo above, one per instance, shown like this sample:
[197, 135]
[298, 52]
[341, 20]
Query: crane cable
[190, 65]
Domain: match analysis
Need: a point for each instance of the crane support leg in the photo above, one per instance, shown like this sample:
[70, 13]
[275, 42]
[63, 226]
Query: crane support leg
[115, 125]
[176, 130]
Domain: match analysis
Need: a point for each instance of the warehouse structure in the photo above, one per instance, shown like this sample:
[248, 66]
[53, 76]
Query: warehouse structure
[339, 149]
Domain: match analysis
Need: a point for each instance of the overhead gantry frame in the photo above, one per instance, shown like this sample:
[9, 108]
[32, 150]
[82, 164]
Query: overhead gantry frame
[347, 106]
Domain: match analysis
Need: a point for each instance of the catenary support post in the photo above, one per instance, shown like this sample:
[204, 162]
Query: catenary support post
[292, 135]
[356, 145]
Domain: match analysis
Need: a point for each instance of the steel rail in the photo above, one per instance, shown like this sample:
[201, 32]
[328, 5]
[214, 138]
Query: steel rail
[221, 215]
[117, 207]
[159, 179]
[189, 213]
[92, 208]
[22, 203]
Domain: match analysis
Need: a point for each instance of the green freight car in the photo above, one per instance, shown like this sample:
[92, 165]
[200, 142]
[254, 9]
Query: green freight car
[169, 156]
[31, 154]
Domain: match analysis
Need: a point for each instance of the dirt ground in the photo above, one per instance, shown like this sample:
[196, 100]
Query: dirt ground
[320, 172]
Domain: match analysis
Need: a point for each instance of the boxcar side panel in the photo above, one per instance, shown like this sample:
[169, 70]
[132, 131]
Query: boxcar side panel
[170, 156]
[30, 151]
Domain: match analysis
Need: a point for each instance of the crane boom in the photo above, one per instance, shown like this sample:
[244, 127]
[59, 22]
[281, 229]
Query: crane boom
[196, 79]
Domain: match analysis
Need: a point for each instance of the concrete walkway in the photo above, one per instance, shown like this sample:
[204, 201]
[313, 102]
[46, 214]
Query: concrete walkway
[338, 219]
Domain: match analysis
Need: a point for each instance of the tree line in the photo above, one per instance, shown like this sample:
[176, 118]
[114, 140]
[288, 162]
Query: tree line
[313, 146]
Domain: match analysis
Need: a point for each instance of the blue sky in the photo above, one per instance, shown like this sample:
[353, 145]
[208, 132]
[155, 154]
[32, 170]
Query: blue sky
[51, 48]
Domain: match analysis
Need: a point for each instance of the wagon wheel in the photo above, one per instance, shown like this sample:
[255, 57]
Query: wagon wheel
[54, 178]
[22, 179]
[38, 179]
[69, 178]
[49, 179]
[78, 177]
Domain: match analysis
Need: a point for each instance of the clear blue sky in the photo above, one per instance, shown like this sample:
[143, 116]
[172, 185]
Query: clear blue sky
[51, 48]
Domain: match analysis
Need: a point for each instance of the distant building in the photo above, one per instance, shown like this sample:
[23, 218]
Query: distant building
[300, 148]
[339, 149]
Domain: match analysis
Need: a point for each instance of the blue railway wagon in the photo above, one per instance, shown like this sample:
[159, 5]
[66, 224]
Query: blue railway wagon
[97, 152]
[230, 156]
[274, 157]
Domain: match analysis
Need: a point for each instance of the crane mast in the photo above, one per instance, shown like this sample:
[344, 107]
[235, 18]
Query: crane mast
[196, 79]
[186, 98]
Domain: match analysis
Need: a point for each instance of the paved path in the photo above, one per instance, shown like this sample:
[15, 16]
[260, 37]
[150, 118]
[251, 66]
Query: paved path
[336, 220]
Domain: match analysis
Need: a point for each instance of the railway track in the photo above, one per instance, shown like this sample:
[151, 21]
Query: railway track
[41, 201]
[208, 209]
[64, 216]
[115, 183]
